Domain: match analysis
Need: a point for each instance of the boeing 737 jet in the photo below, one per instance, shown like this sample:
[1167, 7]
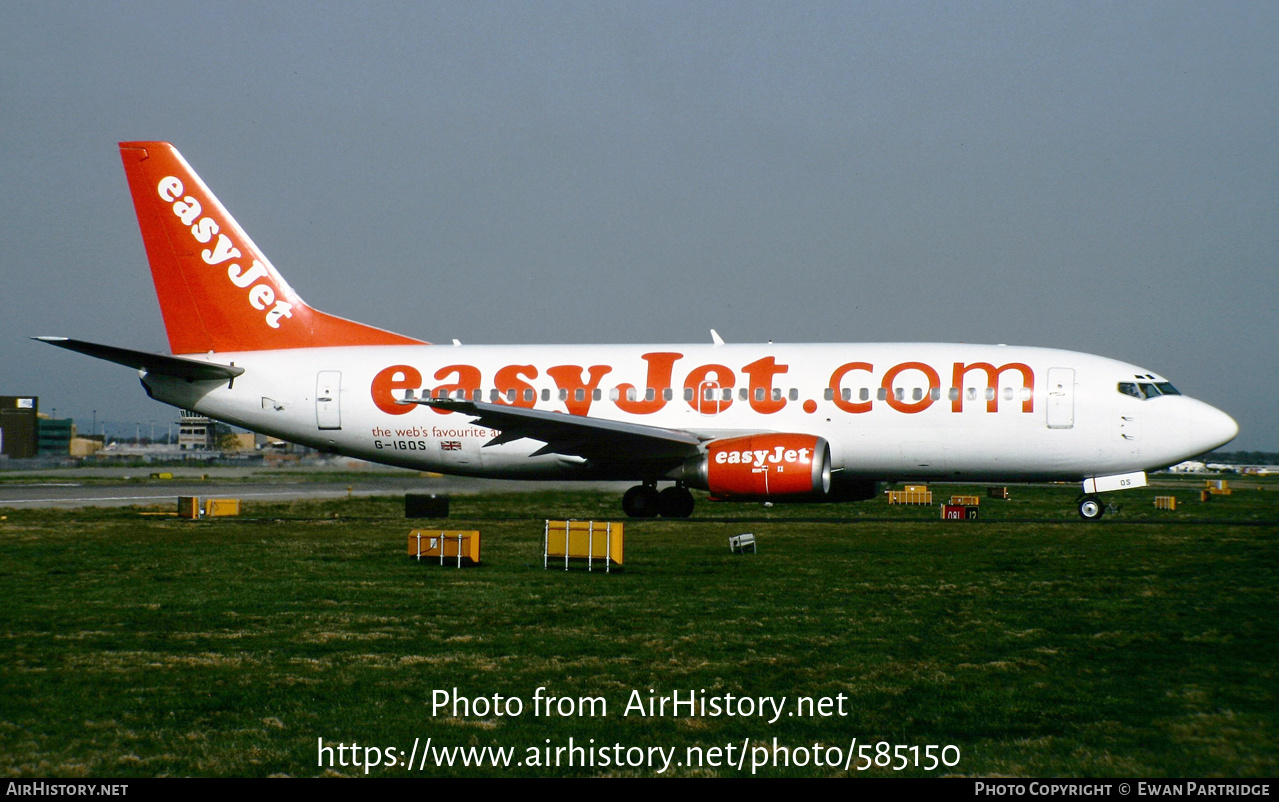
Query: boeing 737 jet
[815, 422]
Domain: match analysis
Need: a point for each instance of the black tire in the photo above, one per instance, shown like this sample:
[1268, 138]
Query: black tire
[641, 501]
[675, 502]
[1091, 508]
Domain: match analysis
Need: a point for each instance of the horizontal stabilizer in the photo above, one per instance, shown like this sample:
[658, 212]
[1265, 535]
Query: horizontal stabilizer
[151, 364]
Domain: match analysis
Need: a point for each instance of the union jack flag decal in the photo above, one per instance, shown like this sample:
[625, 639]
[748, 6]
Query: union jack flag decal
[450, 445]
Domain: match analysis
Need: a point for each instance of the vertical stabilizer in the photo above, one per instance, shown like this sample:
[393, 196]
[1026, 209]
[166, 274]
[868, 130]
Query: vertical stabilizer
[217, 291]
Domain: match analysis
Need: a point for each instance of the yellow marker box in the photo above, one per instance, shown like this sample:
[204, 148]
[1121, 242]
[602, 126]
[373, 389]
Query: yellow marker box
[913, 494]
[451, 546]
[221, 506]
[583, 540]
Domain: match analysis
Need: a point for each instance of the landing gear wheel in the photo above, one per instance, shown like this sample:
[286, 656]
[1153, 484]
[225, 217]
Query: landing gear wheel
[1091, 508]
[641, 501]
[675, 502]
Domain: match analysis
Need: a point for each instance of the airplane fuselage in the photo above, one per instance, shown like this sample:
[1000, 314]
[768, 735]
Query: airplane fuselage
[889, 411]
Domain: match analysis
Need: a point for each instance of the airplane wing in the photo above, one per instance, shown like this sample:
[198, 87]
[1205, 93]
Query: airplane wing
[574, 435]
[152, 364]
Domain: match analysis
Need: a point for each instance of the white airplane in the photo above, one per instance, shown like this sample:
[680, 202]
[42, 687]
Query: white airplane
[816, 422]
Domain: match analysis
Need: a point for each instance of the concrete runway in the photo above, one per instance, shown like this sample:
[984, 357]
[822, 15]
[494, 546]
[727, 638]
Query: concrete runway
[122, 487]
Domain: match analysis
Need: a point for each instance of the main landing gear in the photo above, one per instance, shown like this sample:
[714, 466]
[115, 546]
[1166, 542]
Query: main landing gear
[644, 501]
[1091, 508]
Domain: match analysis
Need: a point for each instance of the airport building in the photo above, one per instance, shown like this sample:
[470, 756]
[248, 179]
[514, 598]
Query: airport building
[19, 426]
[195, 432]
[54, 436]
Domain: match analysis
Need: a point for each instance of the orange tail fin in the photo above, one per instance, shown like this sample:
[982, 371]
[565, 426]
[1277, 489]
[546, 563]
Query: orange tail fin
[217, 291]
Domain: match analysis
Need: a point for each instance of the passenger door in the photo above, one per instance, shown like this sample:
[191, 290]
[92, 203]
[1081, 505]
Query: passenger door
[328, 405]
[1061, 398]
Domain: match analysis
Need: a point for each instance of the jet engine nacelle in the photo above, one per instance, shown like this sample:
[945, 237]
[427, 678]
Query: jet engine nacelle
[795, 466]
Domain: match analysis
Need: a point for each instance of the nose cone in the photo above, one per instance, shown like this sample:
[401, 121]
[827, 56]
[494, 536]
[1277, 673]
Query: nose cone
[1209, 428]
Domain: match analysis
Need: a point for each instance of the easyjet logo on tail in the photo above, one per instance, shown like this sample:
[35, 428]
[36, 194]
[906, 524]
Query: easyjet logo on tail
[262, 293]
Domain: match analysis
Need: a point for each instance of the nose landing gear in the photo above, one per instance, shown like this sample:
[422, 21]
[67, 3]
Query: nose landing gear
[1091, 508]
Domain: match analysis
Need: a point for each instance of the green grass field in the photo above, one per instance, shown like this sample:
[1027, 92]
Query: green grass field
[1036, 644]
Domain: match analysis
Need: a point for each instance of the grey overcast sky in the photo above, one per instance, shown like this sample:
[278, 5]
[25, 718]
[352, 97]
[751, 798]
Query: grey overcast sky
[1101, 177]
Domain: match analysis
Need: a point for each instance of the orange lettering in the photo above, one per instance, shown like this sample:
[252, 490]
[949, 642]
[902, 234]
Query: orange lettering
[569, 379]
[837, 389]
[992, 380]
[762, 372]
[396, 377]
[468, 380]
[510, 378]
[710, 396]
[660, 366]
[917, 406]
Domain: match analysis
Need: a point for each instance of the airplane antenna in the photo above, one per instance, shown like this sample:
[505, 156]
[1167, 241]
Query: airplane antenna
[715, 338]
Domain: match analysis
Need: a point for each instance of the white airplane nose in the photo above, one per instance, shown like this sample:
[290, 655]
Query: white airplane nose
[1210, 428]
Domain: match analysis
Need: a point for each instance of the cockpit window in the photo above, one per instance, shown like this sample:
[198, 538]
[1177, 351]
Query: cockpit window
[1144, 390]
